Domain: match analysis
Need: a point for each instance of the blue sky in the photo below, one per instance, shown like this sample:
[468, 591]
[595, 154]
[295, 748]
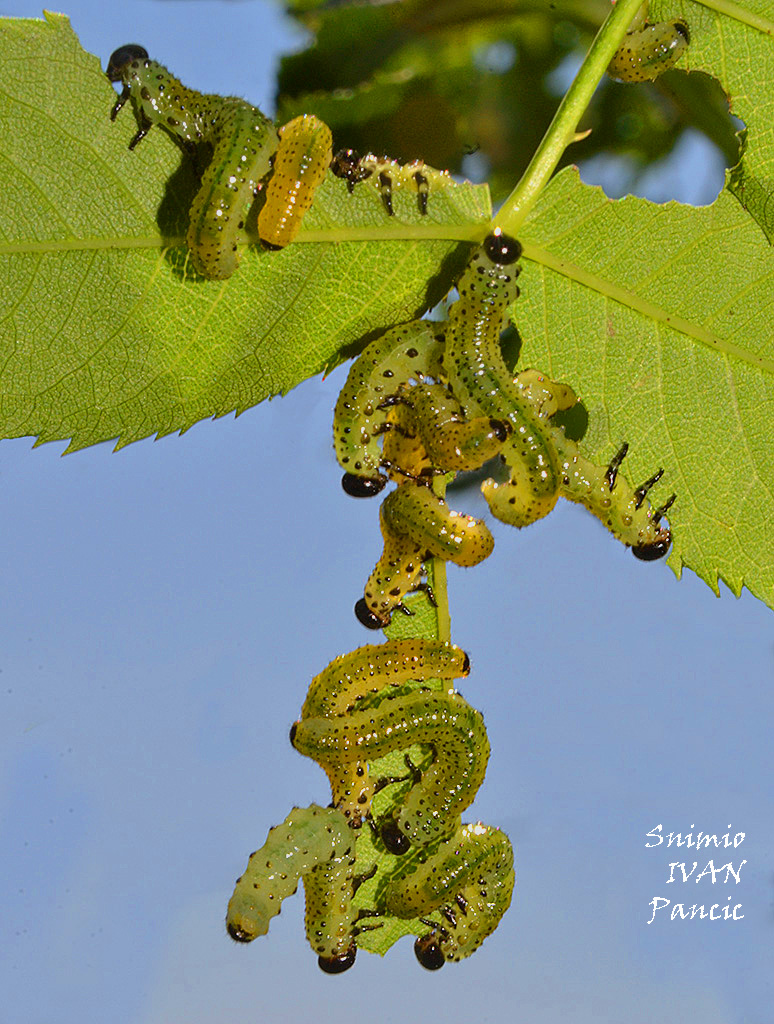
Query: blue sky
[164, 609]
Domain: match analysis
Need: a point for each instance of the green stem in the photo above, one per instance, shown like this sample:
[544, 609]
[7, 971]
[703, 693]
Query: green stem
[563, 128]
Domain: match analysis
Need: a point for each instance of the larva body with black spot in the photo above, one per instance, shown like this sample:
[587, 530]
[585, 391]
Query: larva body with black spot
[432, 806]
[648, 50]
[476, 372]
[470, 879]
[371, 669]
[603, 490]
[401, 355]
[316, 844]
[416, 525]
[300, 165]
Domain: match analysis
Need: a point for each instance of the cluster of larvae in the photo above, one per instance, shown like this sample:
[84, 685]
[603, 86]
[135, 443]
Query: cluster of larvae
[423, 400]
[378, 700]
[248, 155]
[428, 398]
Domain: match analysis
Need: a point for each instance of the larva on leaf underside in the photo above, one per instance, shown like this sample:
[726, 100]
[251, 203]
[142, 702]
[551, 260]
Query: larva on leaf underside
[464, 354]
[245, 147]
[648, 49]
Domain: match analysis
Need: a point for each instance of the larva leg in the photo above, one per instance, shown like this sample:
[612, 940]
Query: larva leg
[389, 176]
[314, 843]
[470, 878]
[242, 139]
[368, 670]
[649, 49]
[396, 357]
[445, 721]
[623, 509]
[417, 524]
[300, 165]
[479, 378]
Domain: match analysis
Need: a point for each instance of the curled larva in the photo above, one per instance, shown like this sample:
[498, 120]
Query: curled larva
[416, 525]
[476, 372]
[623, 509]
[648, 50]
[243, 144]
[469, 878]
[316, 844]
[400, 355]
[431, 808]
[389, 176]
[300, 165]
[368, 670]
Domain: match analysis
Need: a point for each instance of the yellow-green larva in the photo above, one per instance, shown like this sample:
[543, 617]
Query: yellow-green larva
[243, 144]
[470, 879]
[300, 165]
[623, 509]
[431, 808]
[649, 49]
[399, 356]
[416, 525]
[336, 691]
[316, 844]
[476, 372]
[451, 443]
[389, 176]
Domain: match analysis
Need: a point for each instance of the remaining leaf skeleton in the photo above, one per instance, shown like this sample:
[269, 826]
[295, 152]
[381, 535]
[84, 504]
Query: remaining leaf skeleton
[649, 49]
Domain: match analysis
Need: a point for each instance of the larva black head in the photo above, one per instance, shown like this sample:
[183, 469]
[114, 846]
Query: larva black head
[362, 486]
[394, 840]
[293, 732]
[501, 248]
[428, 952]
[655, 549]
[121, 57]
[682, 28]
[337, 964]
[346, 164]
[501, 429]
[237, 934]
[368, 618]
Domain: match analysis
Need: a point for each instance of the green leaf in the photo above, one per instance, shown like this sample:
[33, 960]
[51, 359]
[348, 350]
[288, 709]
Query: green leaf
[735, 42]
[107, 333]
[660, 318]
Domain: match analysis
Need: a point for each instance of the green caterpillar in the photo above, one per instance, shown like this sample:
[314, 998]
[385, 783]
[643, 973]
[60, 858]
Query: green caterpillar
[244, 144]
[470, 879]
[316, 844]
[416, 525]
[394, 359]
[335, 692]
[649, 50]
[432, 806]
